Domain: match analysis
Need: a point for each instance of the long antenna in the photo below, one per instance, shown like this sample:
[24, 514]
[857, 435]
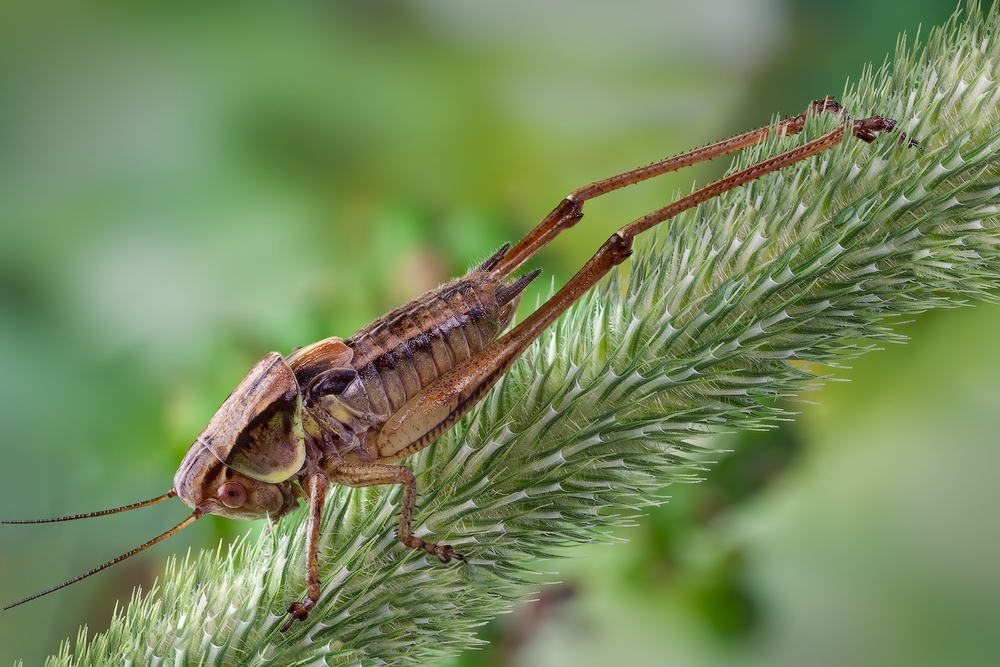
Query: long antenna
[124, 508]
[183, 524]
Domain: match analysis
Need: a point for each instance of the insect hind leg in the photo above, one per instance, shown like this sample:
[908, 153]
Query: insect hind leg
[439, 405]
[570, 210]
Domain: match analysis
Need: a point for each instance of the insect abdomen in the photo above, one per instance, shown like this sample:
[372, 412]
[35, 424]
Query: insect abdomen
[401, 353]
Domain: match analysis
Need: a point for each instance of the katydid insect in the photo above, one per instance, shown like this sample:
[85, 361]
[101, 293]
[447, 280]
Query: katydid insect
[346, 411]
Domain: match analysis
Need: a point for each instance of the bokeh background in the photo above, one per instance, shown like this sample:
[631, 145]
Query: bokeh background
[185, 186]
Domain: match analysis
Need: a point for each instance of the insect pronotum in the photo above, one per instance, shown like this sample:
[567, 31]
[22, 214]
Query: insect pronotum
[344, 411]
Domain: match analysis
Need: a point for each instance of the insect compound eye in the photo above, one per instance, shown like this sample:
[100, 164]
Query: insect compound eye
[232, 494]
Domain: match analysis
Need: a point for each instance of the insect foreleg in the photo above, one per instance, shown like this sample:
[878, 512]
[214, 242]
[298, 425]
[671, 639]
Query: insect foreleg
[316, 486]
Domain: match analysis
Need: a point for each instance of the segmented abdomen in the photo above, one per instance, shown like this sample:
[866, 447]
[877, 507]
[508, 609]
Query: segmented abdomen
[402, 352]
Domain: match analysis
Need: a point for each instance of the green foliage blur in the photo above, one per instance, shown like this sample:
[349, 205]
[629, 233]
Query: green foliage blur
[186, 186]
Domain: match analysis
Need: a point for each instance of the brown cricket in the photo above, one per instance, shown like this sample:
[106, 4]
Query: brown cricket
[345, 411]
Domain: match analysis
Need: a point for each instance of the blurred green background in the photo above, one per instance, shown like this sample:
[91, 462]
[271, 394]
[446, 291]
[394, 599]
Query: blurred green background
[185, 186]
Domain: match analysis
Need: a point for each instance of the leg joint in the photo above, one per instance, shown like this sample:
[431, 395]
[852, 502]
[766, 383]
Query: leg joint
[569, 212]
[618, 247]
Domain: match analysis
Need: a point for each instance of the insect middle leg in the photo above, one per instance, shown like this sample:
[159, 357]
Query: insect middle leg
[358, 474]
